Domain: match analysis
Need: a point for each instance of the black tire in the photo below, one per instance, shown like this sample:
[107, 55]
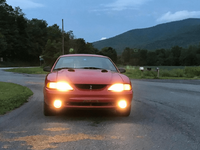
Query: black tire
[126, 112]
[47, 110]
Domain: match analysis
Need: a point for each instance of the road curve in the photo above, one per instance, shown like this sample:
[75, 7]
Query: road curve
[165, 116]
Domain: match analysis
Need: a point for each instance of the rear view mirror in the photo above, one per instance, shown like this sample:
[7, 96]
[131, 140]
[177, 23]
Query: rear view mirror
[47, 69]
[122, 70]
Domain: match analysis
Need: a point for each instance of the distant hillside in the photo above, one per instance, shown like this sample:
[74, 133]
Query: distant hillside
[182, 33]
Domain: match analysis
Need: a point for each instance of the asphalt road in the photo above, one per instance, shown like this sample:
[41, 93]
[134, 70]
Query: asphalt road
[165, 116]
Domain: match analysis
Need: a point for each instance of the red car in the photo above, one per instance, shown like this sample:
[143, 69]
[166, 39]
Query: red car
[86, 81]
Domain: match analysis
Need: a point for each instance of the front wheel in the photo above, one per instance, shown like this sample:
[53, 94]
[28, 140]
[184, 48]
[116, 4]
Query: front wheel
[47, 110]
[126, 112]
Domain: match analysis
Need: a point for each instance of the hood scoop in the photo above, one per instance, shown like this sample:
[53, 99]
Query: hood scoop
[71, 70]
[104, 70]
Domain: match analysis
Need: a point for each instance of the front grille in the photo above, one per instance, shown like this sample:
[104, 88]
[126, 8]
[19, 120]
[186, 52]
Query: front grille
[88, 104]
[90, 86]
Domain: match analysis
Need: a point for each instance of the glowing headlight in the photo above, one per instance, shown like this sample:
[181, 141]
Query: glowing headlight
[61, 86]
[127, 87]
[122, 104]
[57, 103]
[116, 87]
[51, 85]
[120, 87]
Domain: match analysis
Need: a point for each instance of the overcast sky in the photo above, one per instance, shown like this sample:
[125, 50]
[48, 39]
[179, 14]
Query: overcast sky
[94, 20]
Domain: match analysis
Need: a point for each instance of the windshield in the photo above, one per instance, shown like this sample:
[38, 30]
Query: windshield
[85, 62]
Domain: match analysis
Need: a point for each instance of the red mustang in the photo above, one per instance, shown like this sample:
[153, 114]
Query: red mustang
[86, 81]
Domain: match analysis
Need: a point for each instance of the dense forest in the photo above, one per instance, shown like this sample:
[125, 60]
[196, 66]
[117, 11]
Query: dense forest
[24, 40]
[176, 56]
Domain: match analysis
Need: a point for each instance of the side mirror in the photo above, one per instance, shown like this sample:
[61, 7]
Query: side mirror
[121, 70]
[47, 69]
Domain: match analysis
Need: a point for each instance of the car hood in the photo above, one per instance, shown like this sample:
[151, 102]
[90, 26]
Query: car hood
[89, 76]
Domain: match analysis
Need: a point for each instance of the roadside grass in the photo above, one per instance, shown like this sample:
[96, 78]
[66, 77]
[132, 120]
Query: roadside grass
[12, 96]
[165, 72]
[32, 70]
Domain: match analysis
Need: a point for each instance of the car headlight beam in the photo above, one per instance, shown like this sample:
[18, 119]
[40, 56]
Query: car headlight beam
[57, 103]
[122, 104]
[60, 86]
[119, 87]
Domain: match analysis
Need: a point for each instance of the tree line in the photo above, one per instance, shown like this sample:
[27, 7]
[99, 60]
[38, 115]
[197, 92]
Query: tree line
[25, 40]
[176, 56]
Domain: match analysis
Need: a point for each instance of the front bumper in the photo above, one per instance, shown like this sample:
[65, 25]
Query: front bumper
[89, 99]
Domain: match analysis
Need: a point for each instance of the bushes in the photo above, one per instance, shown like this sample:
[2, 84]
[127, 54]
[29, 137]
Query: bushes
[172, 73]
[135, 73]
[192, 72]
[185, 73]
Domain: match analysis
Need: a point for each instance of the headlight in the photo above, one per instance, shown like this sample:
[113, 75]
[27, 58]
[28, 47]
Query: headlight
[57, 103]
[61, 86]
[120, 87]
[122, 104]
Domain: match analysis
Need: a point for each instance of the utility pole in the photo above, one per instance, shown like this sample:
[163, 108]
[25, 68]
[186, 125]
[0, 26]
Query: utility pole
[63, 51]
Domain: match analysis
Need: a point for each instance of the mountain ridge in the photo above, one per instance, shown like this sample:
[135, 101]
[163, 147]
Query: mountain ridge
[177, 33]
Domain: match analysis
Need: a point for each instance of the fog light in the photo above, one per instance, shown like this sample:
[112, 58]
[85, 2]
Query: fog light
[57, 103]
[122, 104]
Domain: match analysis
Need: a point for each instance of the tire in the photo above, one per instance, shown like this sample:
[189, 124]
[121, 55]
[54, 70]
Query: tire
[47, 110]
[126, 112]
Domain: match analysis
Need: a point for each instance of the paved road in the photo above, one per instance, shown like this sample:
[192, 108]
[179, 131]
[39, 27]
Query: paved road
[165, 116]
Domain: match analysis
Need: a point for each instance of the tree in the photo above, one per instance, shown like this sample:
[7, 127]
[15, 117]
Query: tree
[176, 52]
[2, 2]
[51, 52]
[161, 56]
[134, 57]
[13, 34]
[3, 45]
[80, 46]
[69, 41]
[126, 54]
[189, 57]
[37, 31]
[110, 52]
[25, 40]
[142, 57]
[91, 49]
[7, 29]
[198, 55]
[54, 33]
[151, 58]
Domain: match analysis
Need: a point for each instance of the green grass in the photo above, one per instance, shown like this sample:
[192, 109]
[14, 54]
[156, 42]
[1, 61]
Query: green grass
[34, 70]
[165, 72]
[12, 96]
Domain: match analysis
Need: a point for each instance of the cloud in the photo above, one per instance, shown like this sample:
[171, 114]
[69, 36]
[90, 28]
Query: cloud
[119, 5]
[24, 4]
[179, 15]
[103, 38]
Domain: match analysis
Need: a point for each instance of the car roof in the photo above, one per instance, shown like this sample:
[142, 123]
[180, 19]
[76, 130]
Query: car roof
[91, 55]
